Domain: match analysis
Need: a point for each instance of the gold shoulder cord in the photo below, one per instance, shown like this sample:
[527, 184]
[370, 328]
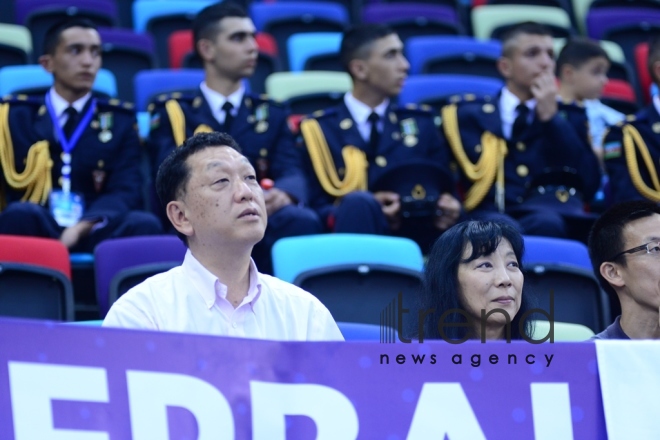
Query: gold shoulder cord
[177, 121]
[35, 179]
[489, 166]
[354, 158]
[632, 140]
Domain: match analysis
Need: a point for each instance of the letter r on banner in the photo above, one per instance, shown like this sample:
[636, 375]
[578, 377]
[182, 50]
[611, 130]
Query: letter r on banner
[33, 386]
[150, 393]
[333, 413]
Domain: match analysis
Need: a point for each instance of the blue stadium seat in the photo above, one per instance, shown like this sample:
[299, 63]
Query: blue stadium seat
[453, 55]
[303, 47]
[34, 79]
[437, 90]
[150, 83]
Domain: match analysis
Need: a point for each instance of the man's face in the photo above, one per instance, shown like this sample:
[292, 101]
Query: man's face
[233, 52]
[223, 201]
[76, 60]
[386, 68]
[590, 78]
[529, 56]
[641, 274]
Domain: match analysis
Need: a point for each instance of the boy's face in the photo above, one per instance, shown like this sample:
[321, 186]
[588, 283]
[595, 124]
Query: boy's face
[590, 78]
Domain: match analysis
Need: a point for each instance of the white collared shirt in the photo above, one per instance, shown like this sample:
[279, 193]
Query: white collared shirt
[508, 112]
[217, 100]
[361, 112]
[60, 105]
[191, 299]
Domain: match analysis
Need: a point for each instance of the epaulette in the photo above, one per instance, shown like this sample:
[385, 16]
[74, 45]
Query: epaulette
[318, 114]
[263, 99]
[21, 99]
[115, 104]
[470, 98]
[413, 108]
[179, 96]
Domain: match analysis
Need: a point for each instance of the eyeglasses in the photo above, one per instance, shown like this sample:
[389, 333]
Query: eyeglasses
[650, 248]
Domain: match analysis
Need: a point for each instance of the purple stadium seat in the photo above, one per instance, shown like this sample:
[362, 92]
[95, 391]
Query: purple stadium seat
[132, 260]
[602, 20]
[414, 19]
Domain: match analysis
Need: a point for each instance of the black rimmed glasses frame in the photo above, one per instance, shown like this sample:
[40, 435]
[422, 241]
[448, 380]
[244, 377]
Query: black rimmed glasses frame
[647, 246]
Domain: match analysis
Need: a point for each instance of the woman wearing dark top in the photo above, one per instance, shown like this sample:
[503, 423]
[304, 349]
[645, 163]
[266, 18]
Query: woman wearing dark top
[473, 268]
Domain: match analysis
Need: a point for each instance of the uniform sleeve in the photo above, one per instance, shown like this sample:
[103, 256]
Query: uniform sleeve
[621, 184]
[123, 190]
[160, 142]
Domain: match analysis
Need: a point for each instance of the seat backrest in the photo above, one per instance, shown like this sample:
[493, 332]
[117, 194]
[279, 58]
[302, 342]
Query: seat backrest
[146, 10]
[281, 86]
[556, 251]
[294, 255]
[30, 291]
[643, 75]
[301, 47]
[16, 36]
[394, 12]
[601, 20]
[621, 90]
[112, 256]
[130, 277]
[179, 44]
[149, 83]
[486, 19]
[419, 89]
[563, 331]
[419, 50]
[14, 79]
[43, 252]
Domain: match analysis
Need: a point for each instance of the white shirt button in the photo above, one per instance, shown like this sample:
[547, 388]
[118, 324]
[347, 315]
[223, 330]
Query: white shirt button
[233, 324]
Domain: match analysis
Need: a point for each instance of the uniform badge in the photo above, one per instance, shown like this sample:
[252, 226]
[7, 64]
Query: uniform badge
[381, 161]
[263, 152]
[105, 124]
[261, 127]
[488, 108]
[656, 127]
[522, 170]
[98, 176]
[42, 110]
[154, 122]
[392, 117]
[409, 131]
[346, 124]
[562, 195]
[612, 150]
[418, 192]
[197, 102]
[261, 116]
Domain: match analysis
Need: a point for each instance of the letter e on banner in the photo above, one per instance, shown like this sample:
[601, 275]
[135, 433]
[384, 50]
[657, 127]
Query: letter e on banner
[150, 393]
[33, 386]
[332, 412]
[443, 411]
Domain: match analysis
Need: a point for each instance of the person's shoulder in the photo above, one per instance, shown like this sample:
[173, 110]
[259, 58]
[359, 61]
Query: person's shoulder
[254, 100]
[184, 99]
[471, 102]
[24, 104]
[324, 115]
[155, 288]
[123, 110]
[285, 291]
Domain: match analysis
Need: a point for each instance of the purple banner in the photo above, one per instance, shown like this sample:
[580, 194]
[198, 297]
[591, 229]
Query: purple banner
[62, 381]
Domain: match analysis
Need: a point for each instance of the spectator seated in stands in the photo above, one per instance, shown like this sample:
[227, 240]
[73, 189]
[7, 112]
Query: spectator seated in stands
[624, 246]
[632, 149]
[215, 203]
[354, 145]
[70, 160]
[582, 67]
[224, 38]
[475, 266]
[519, 152]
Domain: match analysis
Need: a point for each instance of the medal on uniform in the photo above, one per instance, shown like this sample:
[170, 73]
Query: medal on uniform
[409, 131]
[105, 123]
[66, 206]
[261, 116]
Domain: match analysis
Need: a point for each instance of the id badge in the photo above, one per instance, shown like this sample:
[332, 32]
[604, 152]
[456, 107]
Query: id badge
[66, 207]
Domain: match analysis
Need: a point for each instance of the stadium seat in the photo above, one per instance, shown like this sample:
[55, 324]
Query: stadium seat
[353, 331]
[490, 21]
[283, 19]
[308, 91]
[620, 95]
[308, 48]
[122, 263]
[35, 278]
[356, 276]
[618, 66]
[439, 90]
[453, 55]
[125, 53]
[161, 18]
[150, 83]
[32, 79]
[15, 45]
[414, 19]
[563, 331]
[643, 76]
[40, 15]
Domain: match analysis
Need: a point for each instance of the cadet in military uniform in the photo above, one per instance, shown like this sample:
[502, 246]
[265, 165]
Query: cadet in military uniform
[353, 145]
[71, 161]
[632, 149]
[519, 153]
[224, 38]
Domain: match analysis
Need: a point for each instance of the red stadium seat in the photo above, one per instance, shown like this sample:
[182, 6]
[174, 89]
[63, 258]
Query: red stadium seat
[619, 89]
[44, 252]
[643, 75]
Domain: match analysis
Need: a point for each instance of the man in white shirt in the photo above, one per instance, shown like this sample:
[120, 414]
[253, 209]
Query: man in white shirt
[215, 203]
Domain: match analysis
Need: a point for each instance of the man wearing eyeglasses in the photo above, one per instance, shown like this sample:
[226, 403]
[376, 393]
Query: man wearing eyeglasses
[624, 246]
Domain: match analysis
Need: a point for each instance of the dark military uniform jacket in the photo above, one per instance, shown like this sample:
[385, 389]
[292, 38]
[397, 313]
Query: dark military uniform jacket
[105, 167]
[260, 128]
[647, 123]
[563, 141]
[340, 130]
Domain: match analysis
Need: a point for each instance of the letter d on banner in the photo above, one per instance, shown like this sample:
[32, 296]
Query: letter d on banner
[333, 413]
[150, 393]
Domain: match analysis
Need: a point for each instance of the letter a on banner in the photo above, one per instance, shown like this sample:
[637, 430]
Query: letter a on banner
[443, 411]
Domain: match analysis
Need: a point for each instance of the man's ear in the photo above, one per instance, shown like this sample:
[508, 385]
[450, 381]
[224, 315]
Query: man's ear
[176, 213]
[205, 49]
[504, 66]
[566, 73]
[46, 62]
[358, 69]
[612, 274]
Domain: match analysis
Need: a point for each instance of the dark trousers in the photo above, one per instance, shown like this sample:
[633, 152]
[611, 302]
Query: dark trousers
[36, 221]
[546, 223]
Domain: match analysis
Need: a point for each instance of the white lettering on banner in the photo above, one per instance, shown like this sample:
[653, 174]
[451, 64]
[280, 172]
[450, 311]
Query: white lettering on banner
[333, 413]
[33, 386]
[150, 393]
[443, 411]
[551, 407]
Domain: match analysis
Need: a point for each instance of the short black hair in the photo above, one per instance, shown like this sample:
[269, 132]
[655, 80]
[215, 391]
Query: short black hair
[206, 24]
[654, 56]
[52, 37]
[356, 41]
[174, 173]
[606, 235]
[578, 51]
[526, 28]
[440, 290]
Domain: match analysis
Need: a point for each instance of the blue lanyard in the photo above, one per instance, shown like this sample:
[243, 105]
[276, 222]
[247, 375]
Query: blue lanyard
[69, 144]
